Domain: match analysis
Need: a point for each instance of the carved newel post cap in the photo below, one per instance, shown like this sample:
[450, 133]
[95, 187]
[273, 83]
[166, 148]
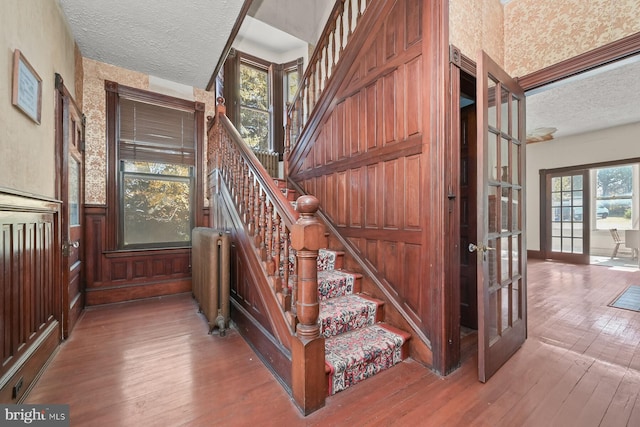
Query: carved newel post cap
[307, 205]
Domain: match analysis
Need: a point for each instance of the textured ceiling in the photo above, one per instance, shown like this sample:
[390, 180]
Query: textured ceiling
[606, 97]
[179, 41]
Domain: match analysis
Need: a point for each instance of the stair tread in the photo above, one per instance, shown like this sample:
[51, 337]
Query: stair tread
[363, 342]
[345, 313]
[361, 353]
[335, 283]
[328, 259]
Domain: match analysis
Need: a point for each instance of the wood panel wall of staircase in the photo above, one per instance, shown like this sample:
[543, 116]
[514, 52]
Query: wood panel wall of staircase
[364, 162]
[253, 308]
[30, 289]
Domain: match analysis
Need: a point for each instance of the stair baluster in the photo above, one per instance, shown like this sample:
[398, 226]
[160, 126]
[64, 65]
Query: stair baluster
[342, 23]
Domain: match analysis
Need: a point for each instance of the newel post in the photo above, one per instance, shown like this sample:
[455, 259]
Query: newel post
[307, 349]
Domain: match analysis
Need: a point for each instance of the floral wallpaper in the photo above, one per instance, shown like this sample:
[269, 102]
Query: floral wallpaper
[527, 35]
[539, 33]
[477, 24]
[92, 82]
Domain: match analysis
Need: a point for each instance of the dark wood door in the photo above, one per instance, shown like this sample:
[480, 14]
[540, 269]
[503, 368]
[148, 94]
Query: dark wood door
[501, 247]
[468, 207]
[71, 149]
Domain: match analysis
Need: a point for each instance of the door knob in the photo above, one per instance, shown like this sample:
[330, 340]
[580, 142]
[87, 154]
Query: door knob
[66, 247]
[480, 249]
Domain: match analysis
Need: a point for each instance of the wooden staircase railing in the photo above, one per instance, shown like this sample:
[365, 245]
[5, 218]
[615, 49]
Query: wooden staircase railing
[341, 24]
[276, 230]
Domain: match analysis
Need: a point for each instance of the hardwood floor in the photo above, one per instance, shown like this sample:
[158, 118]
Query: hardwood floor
[151, 363]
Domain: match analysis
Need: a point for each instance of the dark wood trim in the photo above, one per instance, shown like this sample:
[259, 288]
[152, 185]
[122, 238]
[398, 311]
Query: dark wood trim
[533, 254]
[542, 212]
[452, 226]
[198, 203]
[31, 297]
[231, 85]
[595, 165]
[386, 234]
[608, 53]
[277, 105]
[225, 51]
[29, 366]
[462, 61]
[435, 179]
[128, 292]
[408, 147]
[21, 201]
[112, 130]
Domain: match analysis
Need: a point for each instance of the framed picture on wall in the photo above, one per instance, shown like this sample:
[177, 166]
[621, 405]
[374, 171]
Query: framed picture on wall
[27, 87]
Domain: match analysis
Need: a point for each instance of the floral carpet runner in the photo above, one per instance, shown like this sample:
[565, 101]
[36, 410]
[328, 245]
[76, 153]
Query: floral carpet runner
[357, 345]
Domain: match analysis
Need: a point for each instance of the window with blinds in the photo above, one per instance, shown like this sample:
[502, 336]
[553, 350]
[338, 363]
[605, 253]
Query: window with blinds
[156, 153]
[152, 133]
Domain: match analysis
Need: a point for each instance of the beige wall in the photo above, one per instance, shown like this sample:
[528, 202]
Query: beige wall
[94, 75]
[595, 147]
[27, 150]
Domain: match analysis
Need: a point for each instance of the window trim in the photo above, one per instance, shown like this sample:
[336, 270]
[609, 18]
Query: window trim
[113, 91]
[267, 67]
[231, 91]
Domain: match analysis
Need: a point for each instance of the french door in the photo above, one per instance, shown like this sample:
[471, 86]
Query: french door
[501, 248]
[567, 216]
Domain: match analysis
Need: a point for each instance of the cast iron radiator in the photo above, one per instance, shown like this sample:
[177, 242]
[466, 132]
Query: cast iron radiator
[210, 260]
[269, 160]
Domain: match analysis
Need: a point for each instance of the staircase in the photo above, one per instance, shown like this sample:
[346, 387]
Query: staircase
[319, 338]
[357, 343]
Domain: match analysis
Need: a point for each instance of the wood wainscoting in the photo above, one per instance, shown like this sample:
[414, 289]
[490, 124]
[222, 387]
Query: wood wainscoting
[30, 297]
[124, 275]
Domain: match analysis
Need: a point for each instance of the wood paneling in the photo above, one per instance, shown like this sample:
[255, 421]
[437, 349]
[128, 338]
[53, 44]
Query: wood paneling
[254, 309]
[115, 276]
[367, 161]
[30, 293]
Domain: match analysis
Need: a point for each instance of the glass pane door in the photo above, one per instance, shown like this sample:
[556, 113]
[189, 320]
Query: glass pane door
[568, 216]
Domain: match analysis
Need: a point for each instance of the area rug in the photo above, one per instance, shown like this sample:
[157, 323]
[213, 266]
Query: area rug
[629, 299]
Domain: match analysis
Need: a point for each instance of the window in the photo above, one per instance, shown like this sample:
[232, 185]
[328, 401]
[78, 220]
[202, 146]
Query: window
[156, 154]
[154, 187]
[255, 115]
[614, 197]
[256, 92]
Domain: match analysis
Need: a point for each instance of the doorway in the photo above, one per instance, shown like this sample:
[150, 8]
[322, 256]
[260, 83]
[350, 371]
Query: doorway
[488, 156]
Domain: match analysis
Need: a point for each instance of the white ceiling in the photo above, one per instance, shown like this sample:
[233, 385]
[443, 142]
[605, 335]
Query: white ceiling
[606, 97]
[180, 41]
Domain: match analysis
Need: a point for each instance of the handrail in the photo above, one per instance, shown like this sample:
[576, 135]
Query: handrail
[334, 38]
[275, 230]
[269, 218]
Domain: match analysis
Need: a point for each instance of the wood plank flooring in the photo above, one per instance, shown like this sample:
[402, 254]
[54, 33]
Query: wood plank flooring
[151, 363]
